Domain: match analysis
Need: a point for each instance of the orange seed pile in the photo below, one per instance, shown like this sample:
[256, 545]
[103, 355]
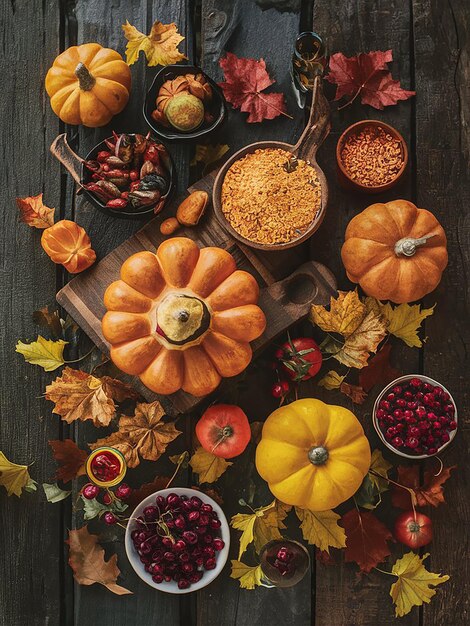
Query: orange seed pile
[373, 157]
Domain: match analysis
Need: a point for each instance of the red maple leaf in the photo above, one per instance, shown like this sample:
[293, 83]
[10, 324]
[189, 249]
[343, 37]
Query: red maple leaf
[245, 79]
[70, 458]
[366, 539]
[367, 75]
[429, 493]
[378, 370]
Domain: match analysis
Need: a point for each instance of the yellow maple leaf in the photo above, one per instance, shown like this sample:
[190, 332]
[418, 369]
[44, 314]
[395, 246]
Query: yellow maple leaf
[160, 46]
[209, 154]
[46, 353]
[34, 213]
[331, 380]
[320, 528]
[413, 585]
[208, 466]
[15, 477]
[404, 321]
[345, 314]
[249, 576]
[260, 526]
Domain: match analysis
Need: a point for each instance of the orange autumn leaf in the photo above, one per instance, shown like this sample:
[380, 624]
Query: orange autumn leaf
[357, 394]
[366, 539]
[81, 396]
[70, 458]
[429, 493]
[86, 558]
[142, 435]
[34, 212]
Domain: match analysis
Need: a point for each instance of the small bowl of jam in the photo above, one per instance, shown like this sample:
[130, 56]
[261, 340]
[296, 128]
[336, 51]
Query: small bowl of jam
[106, 467]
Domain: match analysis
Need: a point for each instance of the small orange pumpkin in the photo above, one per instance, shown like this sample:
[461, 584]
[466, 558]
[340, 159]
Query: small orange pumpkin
[88, 84]
[395, 251]
[182, 318]
[67, 243]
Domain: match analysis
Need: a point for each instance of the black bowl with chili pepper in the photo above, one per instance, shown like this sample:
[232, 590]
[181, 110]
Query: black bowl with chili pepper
[129, 175]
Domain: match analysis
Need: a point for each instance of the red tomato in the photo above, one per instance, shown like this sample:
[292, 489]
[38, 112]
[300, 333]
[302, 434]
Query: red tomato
[224, 430]
[413, 529]
[301, 358]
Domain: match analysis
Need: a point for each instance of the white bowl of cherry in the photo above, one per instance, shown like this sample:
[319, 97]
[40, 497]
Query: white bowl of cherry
[415, 417]
[177, 540]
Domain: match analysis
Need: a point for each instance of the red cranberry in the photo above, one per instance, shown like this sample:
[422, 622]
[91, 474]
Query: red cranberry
[412, 405]
[380, 413]
[208, 552]
[397, 390]
[123, 491]
[445, 437]
[411, 442]
[90, 491]
[445, 396]
[401, 403]
[167, 578]
[157, 568]
[416, 383]
[420, 412]
[414, 431]
[201, 530]
[390, 397]
[195, 577]
[436, 425]
[419, 396]
[187, 568]
[384, 405]
[408, 414]
[410, 420]
[432, 450]
[391, 432]
[423, 426]
[428, 387]
[428, 399]
[199, 561]
[398, 414]
[109, 518]
[408, 395]
[400, 427]
[208, 538]
[449, 408]
[452, 425]
[397, 442]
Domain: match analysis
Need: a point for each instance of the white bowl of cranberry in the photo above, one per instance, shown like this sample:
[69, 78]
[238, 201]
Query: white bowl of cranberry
[169, 547]
[415, 416]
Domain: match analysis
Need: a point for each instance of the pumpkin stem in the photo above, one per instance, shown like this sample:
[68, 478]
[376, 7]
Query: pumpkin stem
[408, 246]
[318, 455]
[85, 79]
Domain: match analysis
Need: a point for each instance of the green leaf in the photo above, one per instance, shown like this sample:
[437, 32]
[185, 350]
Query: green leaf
[54, 493]
[93, 508]
[46, 353]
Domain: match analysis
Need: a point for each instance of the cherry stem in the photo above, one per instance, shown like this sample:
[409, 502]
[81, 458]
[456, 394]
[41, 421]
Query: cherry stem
[181, 460]
[409, 489]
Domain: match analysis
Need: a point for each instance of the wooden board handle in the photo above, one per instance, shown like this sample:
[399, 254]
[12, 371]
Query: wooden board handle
[69, 159]
[318, 125]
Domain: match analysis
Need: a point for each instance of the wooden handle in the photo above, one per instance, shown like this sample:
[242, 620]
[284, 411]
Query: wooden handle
[64, 153]
[318, 125]
[311, 283]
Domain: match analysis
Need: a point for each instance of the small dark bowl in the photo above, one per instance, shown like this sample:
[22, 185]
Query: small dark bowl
[217, 106]
[136, 214]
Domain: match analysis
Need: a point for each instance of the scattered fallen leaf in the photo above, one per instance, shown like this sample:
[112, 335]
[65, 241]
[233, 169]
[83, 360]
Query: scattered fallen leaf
[246, 523]
[249, 576]
[366, 75]
[160, 46]
[370, 492]
[15, 477]
[404, 321]
[93, 508]
[245, 79]
[362, 329]
[429, 493]
[208, 466]
[378, 369]
[414, 584]
[366, 539]
[46, 353]
[48, 319]
[117, 390]
[331, 380]
[86, 558]
[356, 393]
[181, 459]
[208, 155]
[70, 458]
[54, 493]
[147, 489]
[320, 528]
[34, 212]
[142, 435]
[269, 525]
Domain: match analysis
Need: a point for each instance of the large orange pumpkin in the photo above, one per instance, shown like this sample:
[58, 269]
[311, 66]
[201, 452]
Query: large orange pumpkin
[395, 251]
[182, 318]
[88, 84]
[67, 243]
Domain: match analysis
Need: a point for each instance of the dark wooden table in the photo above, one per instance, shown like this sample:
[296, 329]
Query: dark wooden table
[430, 42]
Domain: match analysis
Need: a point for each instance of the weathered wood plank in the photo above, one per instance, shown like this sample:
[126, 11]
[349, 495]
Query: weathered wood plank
[30, 528]
[442, 47]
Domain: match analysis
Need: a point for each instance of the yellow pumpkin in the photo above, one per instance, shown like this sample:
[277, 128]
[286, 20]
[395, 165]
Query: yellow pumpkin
[88, 84]
[313, 455]
[182, 318]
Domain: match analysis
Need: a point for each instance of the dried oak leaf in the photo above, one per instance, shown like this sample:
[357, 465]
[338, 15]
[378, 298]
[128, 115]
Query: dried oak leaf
[366, 75]
[413, 586]
[86, 558]
[430, 493]
[81, 396]
[160, 46]
[70, 458]
[142, 435]
[34, 212]
[208, 466]
[245, 79]
[366, 539]
[378, 370]
[320, 528]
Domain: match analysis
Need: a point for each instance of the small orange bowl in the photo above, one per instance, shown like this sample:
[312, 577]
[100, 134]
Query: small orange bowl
[343, 176]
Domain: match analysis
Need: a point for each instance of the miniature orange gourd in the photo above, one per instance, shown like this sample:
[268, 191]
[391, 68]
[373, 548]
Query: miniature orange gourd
[182, 318]
[395, 251]
[88, 85]
[67, 243]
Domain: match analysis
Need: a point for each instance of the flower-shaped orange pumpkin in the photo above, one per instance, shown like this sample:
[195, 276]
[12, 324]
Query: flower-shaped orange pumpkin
[182, 318]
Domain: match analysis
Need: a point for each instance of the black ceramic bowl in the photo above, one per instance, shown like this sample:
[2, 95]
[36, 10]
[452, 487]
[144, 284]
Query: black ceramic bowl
[135, 214]
[217, 106]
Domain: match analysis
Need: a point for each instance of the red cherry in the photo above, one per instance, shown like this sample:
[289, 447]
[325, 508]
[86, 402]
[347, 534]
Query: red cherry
[90, 491]
[123, 491]
[218, 544]
[452, 425]
[284, 386]
[210, 564]
[109, 518]
[276, 390]
[157, 578]
[107, 498]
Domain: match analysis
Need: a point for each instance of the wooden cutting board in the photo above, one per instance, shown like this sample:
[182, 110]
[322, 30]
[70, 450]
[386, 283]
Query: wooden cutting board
[284, 302]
